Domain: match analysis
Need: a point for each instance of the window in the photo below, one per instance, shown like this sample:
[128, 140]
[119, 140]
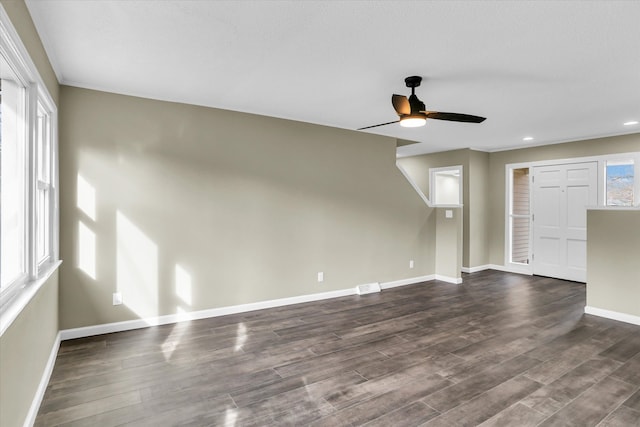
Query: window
[519, 216]
[619, 182]
[28, 175]
[446, 185]
[44, 188]
[13, 179]
[518, 246]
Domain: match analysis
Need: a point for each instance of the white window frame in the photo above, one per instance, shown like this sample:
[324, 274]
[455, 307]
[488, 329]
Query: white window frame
[432, 185]
[516, 266]
[512, 215]
[16, 295]
[48, 187]
[602, 165]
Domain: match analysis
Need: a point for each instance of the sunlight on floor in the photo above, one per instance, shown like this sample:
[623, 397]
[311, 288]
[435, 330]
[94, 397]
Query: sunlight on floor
[137, 268]
[230, 418]
[183, 292]
[241, 336]
[310, 390]
[172, 341]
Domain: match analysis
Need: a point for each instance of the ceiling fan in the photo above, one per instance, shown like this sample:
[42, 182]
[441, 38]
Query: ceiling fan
[412, 111]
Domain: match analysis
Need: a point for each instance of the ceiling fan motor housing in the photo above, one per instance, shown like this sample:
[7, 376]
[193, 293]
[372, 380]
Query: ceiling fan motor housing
[413, 81]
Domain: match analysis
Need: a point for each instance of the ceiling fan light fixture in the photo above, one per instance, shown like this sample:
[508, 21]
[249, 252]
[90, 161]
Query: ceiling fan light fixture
[412, 112]
[413, 121]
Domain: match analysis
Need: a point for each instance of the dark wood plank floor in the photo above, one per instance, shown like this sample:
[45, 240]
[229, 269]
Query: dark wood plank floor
[498, 350]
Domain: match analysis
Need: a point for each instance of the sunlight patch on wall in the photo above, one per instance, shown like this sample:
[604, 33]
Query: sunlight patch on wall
[86, 250]
[137, 268]
[183, 284]
[86, 197]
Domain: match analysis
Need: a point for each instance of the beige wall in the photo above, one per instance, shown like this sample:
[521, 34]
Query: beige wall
[449, 243]
[21, 20]
[24, 351]
[475, 165]
[476, 237]
[498, 161]
[250, 208]
[613, 276]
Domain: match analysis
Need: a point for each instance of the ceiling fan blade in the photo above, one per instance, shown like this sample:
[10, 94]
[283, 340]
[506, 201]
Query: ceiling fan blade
[401, 104]
[381, 124]
[454, 117]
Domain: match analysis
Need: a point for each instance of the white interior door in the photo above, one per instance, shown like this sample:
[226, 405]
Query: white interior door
[560, 196]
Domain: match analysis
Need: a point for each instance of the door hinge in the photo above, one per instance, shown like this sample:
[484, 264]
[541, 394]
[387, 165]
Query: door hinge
[533, 217]
[533, 178]
[533, 257]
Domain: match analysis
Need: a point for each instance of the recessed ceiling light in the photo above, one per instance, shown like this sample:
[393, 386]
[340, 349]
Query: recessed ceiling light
[631, 123]
[527, 138]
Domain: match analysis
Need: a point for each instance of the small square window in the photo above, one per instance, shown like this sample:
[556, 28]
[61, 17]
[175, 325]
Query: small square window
[446, 185]
[620, 178]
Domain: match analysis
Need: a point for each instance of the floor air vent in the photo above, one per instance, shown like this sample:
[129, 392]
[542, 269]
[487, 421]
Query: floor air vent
[368, 288]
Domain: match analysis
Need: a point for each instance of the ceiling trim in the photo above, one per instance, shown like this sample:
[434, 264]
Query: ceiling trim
[564, 141]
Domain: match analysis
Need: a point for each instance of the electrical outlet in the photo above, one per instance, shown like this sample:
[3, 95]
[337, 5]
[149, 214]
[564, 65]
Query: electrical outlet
[117, 298]
[410, 263]
[320, 276]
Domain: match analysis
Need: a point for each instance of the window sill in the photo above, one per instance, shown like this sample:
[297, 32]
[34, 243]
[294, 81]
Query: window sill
[12, 308]
[613, 208]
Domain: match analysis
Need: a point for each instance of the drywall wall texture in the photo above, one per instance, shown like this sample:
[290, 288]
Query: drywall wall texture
[24, 352]
[613, 245]
[22, 22]
[477, 235]
[186, 208]
[498, 161]
[448, 243]
[475, 165]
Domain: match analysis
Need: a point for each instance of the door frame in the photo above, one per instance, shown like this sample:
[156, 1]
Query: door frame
[601, 160]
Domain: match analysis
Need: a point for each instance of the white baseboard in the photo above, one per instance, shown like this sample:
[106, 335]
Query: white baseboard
[454, 280]
[526, 270]
[107, 328]
[404, 282]
[506, 269]
[476, 268]
[614, 315]
[44, 381]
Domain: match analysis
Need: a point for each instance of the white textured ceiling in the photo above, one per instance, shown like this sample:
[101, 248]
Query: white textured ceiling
[554, 70]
